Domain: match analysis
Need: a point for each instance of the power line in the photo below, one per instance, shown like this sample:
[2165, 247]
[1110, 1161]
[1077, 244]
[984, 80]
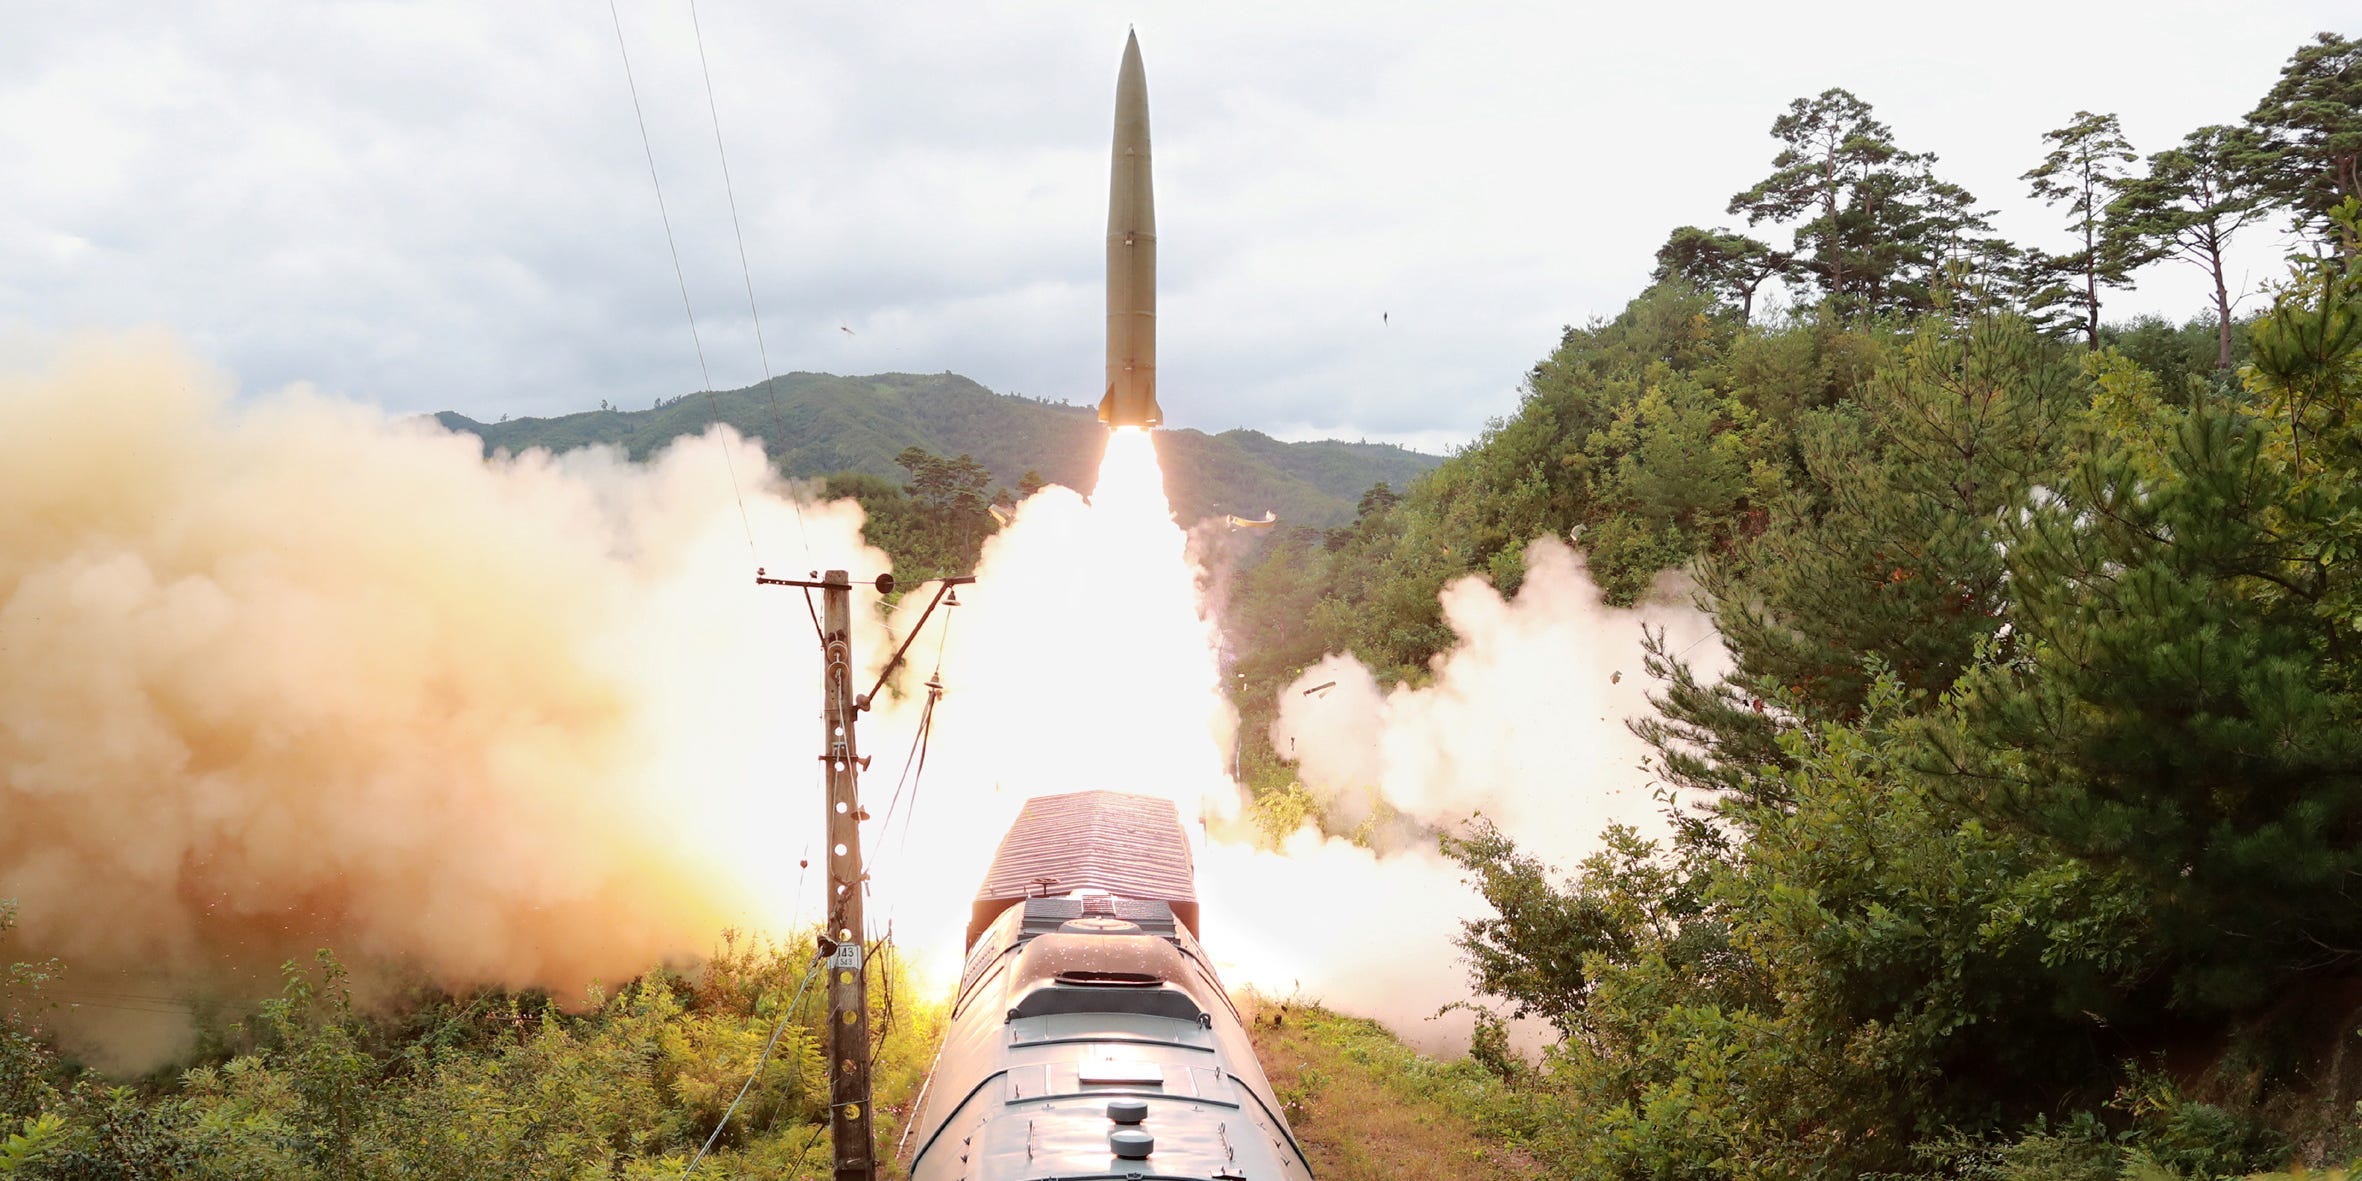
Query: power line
[778, 423]
[678, 275]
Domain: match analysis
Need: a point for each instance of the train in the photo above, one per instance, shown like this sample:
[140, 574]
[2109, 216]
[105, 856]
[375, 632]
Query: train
[1090, 1037]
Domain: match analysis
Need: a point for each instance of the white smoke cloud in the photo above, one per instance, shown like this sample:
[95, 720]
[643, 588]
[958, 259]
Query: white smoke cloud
[283, 673]
[1523, 722]
[1085, 658]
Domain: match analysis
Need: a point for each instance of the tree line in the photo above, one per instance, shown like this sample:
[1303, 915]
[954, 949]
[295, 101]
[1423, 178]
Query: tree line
[2022, 838]
[1875, 231]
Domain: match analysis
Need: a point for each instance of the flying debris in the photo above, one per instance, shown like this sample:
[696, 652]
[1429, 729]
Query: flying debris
[1268, 519]
[1131, 257]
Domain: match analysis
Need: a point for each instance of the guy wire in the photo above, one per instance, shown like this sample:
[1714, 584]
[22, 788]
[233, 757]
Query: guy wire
[914, 764]
[784, 1017]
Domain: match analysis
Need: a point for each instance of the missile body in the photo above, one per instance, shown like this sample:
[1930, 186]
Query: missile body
[1131, 258]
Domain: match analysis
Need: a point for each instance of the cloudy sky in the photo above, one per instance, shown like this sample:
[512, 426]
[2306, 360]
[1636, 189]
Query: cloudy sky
[445, 205]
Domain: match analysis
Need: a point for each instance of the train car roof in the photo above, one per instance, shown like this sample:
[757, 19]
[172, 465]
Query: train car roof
[1126, 845]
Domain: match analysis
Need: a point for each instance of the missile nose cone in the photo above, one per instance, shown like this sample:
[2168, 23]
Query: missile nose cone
[1131, 256]
[1131, 103]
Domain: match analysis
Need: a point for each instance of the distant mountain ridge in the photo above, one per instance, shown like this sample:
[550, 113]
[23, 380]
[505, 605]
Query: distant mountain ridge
[832, 424]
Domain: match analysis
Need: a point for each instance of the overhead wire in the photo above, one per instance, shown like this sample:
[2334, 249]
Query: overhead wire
[679, 275]
[913, 763]
[840, 723]
[778, 422]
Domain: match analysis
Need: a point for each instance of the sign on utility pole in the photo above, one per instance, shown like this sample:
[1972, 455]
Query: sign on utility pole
[848, 975]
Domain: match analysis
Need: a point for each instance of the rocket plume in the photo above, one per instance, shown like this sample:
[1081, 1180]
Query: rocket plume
[1086, 658]
[1081, 658]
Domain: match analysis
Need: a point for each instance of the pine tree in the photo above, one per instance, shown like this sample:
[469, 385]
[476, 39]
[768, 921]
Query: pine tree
[2188, 204]
[1834, 148]
[2180, 698]
[1886, 550]
[2084, 168]
[1727, 265]
[2310, 127]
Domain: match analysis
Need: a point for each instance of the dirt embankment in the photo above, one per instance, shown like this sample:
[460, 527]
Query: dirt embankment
[1366, 1106]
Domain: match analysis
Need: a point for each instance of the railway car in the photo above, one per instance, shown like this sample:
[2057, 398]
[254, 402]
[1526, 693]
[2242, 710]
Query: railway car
[1090, 1037]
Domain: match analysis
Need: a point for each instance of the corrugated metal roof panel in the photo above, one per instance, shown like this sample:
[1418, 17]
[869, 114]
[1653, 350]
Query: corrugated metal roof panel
[1127, 845]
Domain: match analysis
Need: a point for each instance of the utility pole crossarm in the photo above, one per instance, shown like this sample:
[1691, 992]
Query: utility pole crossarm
[943, 588]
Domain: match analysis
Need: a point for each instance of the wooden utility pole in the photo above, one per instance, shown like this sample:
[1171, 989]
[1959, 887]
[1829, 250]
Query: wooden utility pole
[842, 944]
[848, 974]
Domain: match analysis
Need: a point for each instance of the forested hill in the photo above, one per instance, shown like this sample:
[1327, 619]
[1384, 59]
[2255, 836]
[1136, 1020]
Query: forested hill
[834, 425]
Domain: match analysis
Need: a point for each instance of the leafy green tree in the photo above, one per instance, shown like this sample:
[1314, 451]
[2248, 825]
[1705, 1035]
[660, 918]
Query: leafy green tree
[2039, 757]
[1671, 472]
[1962, 264]
[23, 1147]
[950, 485]
[1543, 944]
[1902, 230]
[316, 1033]
[1379, 499]
[1731, 266]
[2182, 356]
[2188, 204]
[2310, 129]
[2164, 719]
[29, 1072]
[2085, 168]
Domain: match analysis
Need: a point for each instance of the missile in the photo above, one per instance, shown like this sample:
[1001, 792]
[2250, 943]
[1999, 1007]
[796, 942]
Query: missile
[1131, 257]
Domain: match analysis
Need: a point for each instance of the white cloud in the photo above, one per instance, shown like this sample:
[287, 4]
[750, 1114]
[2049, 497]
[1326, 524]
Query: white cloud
[445, 205]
